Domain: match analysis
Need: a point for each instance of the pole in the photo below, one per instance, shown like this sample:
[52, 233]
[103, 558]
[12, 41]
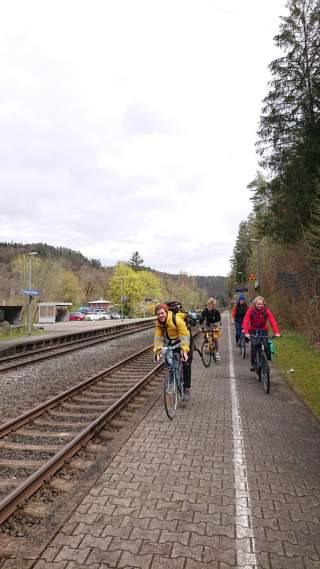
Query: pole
[121, 299]
[259, 269]
[30, 288]
[30, 299]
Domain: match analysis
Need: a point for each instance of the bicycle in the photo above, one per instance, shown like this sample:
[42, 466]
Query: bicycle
[242, 346]
[208, 347]
[173, 383]
[262, 366]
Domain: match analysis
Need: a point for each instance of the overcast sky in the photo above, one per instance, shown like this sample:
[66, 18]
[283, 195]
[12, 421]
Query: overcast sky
[130, 125]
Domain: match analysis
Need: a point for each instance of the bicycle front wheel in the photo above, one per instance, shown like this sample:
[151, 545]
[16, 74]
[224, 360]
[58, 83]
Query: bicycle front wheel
[242, 347]
[265, 373]
[170, 395]
[206, 353]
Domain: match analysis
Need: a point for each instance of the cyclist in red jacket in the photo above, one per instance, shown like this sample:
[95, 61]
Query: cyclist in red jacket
[254, 321]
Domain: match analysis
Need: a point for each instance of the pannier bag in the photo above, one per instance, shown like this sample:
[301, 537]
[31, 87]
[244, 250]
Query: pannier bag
[271, 350]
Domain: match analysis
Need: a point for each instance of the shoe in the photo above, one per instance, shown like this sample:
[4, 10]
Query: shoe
[218, 357]
[252, 368]
[186, 394]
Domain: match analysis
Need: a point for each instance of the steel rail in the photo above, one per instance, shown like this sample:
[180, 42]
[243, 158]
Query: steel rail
[31, 484]
[36, 355]
[34, 481]
[17, 422]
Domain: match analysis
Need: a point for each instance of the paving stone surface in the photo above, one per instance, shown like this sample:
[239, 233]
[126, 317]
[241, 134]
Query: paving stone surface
[232, 481]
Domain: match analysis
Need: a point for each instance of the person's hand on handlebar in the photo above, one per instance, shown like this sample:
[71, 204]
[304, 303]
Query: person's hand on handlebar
[185, 356]
[247, 336]
[277, 335]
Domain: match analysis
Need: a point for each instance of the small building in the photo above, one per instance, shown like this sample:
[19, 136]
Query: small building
[105, 304]
[11, 314]
[50, 312]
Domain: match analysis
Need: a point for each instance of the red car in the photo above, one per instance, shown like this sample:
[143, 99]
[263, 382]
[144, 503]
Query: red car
[76, 316]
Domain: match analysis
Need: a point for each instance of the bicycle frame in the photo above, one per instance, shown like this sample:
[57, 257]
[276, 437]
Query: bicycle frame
[173, 362]
[262, 369]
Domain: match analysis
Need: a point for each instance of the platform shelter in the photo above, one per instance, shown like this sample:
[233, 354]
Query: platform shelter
[50, 312]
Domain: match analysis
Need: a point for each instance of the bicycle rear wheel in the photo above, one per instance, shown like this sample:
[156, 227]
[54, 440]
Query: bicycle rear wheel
[206, 353]
[170, 395]
[265, 373]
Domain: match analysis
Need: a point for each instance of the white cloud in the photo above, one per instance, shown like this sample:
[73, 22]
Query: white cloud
[131, 125]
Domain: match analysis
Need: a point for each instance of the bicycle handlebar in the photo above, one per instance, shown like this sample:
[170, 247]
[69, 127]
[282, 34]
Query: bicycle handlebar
[273, 337]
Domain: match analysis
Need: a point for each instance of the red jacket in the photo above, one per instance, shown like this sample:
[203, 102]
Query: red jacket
[254, 320]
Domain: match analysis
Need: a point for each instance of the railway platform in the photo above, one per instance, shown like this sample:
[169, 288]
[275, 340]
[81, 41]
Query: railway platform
[232, 481]
[60, 329]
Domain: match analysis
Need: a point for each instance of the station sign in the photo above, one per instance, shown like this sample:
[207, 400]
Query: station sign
[31, 292]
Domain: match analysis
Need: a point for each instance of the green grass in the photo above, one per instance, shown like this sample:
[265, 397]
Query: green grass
[294, 352]
[19, 332]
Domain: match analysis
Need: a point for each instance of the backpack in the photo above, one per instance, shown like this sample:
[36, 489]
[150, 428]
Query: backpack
[175, 307]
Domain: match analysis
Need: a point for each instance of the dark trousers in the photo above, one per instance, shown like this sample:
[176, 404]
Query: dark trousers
[187, 369]
[238, 325]
[254, 346]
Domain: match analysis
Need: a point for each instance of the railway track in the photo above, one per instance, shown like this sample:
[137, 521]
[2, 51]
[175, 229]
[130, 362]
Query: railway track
[70, 343]
[35, 445]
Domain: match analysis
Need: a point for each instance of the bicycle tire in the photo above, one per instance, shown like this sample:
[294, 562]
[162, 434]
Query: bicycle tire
[205, 353]
[242, 348]
[265, 373]
[170, 395]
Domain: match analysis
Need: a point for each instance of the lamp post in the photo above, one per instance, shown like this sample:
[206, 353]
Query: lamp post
[241, 273]
[30, 288]
[258, 264]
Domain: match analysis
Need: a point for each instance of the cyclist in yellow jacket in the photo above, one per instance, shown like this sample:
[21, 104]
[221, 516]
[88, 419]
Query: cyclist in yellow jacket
[172, 330]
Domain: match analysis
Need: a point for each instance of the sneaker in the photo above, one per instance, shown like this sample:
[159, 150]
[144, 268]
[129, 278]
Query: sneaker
[186, 394]
[218, 357]
[252, 367]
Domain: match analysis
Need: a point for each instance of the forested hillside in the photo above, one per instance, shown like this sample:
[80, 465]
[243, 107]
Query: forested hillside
[280, 240]
[65, 275]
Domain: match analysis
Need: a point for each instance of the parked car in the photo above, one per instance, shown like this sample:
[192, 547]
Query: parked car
[102, 313]
[84, 309]
[93, 316]
[76, 316]
[115, 315]
[97, 316]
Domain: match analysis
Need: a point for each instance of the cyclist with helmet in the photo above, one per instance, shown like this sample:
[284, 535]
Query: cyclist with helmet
[211, 319]
[255, 321]
[170, 328]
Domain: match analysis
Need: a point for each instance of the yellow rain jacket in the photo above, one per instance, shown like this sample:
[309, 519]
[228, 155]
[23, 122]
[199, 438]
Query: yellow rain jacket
[172, 332]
